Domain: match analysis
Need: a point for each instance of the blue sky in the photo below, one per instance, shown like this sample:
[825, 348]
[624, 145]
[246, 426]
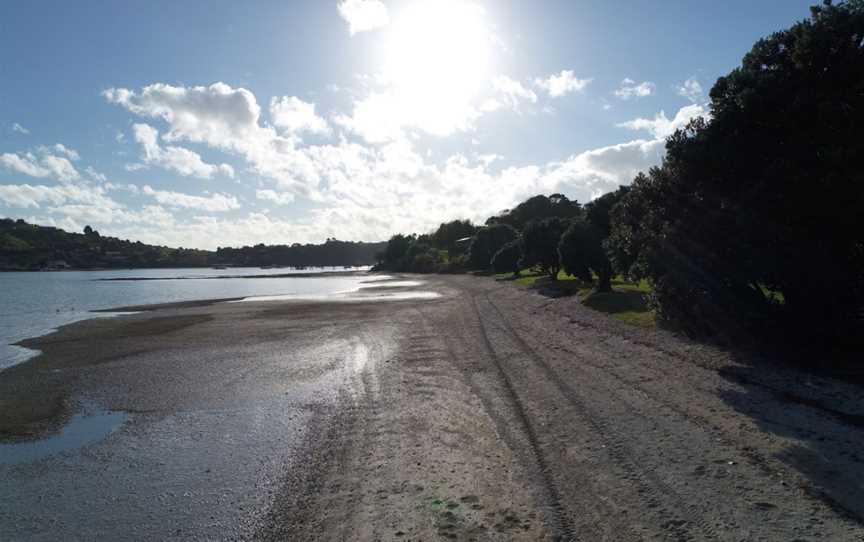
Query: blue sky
[229, 123]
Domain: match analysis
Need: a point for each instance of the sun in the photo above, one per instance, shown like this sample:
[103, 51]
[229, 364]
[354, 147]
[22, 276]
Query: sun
[438, 58]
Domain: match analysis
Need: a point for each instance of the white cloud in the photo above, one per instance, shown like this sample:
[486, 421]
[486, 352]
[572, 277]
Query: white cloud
[44, 163]
[562, 83]
[512, 91]
[361, 191]
[60, 149]
[363, 15]
[211, 203]
[227, 119]
[20, 129]
[660, 126]
[279, 198]
[27, 195]
[173, 158]
[631, 89]
[692, 90]
[295, 116]
[95, 175]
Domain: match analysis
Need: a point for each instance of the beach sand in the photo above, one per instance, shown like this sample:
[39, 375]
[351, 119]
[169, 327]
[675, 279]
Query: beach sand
[489, 413]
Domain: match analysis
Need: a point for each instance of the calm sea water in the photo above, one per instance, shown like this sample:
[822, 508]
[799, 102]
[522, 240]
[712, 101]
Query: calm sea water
[33, 304]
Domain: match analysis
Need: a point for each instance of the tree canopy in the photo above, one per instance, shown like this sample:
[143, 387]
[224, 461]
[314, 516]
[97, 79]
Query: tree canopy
[757, 216]
[538, 208]
[540, 245]
[486, 242]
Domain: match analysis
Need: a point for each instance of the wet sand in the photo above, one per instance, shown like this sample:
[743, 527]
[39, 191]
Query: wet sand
[489, 413]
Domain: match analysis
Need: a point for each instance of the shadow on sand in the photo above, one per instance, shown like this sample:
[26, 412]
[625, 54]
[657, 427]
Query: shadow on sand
[819, 419]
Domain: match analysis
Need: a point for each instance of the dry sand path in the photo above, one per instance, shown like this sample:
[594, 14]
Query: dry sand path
[491, 413]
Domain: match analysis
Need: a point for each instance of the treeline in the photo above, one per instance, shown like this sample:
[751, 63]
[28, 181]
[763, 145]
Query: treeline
[328, 254]
[752, 227]
[28, 247]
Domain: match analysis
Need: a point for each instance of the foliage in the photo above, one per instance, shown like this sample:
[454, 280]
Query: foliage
[540, 245]
[765, 198]
[582, 249]
[538, 208]
[448, 233]
[506, 260]
[395, 252]
[581, 253]
[486, 242]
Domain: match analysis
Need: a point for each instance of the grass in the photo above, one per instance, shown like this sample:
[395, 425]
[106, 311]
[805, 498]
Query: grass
[626, 302]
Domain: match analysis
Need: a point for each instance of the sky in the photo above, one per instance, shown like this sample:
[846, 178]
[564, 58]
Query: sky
[224, 123]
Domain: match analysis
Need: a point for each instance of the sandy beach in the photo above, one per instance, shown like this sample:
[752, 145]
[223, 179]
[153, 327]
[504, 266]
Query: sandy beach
[488, 413]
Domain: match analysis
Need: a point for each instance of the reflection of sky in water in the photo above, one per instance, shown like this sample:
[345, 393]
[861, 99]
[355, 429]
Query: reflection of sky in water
[80, 431]
[33, 304]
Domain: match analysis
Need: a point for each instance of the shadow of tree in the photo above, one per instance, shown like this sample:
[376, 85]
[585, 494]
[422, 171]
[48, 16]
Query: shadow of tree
[822, 422]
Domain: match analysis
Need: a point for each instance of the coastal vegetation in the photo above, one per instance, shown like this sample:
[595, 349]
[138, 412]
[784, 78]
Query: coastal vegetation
[27, 247]
[751, 228]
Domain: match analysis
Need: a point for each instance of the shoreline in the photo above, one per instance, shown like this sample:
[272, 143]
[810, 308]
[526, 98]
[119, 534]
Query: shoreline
[47, 412]
[30, 326]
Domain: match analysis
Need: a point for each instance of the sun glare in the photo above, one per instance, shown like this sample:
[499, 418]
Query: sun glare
[438, 59]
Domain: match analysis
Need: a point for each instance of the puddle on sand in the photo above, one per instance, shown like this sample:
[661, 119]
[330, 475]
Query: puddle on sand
[82, 430]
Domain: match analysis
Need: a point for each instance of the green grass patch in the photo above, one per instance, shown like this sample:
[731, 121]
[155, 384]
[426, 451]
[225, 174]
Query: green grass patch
[626, 302]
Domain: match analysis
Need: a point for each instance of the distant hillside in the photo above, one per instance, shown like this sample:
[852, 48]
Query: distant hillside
[27, 247]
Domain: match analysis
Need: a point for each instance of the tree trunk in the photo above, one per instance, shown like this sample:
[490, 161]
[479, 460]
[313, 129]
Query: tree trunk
[604, 282]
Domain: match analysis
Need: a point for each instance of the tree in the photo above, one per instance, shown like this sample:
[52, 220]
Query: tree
[448, 233]
[538, 208]
[581, 253]
[90, 232]
[756, 216]
[540, 245]
[506, 260]
[394, 253]
[486, 242]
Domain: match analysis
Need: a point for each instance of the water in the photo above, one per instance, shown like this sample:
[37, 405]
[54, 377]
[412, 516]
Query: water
[82, 429]
[33, 304]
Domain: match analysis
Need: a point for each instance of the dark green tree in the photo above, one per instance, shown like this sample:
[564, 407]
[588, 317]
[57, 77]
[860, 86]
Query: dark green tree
[506, 260]
[538, 208]
[540, 245]
[486, 242]
[755, 218]
[448, 233]
[581, 253]
[396, 250]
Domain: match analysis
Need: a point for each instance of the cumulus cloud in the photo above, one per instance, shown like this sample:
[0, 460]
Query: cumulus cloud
[227, 119]
[46, 162]
[279, 198]
[631, 89]
[295, 116]
[36, 196]
[363, 15]
[362, 191]
[692, 90]
[661, 126]
[512, 91]
[20, 129]
[561, 84]
[211, 203]
[183, 161]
